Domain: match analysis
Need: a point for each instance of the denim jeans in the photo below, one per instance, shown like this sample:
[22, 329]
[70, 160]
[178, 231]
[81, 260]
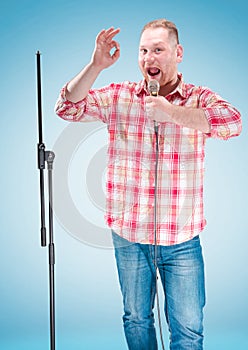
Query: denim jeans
[181, 269]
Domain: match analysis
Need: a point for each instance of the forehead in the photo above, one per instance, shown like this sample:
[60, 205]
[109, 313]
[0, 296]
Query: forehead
[154, 36]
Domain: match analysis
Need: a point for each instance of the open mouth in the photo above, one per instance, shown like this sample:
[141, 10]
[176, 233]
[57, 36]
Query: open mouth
[153, 71]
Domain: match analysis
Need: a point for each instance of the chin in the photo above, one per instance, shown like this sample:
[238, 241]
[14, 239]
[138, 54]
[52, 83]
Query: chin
[155, 77]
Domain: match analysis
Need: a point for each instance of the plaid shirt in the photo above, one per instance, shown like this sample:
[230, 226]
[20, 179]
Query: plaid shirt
[132, 154]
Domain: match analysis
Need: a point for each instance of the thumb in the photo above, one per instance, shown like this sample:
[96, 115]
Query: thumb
[116, 53]
[148, 99]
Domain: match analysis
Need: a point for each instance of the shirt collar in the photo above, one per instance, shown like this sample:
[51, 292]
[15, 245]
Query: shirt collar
[181, 87]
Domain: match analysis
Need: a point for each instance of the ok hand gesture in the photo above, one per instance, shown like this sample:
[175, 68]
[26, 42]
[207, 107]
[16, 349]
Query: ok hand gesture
[102, 56]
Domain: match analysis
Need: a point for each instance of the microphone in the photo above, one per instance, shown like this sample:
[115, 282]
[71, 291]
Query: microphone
[153, 88]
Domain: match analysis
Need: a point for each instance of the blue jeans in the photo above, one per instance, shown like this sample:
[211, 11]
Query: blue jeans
[181, 269]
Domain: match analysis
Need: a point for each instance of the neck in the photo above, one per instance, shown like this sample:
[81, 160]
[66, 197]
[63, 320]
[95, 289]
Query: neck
[169, 87]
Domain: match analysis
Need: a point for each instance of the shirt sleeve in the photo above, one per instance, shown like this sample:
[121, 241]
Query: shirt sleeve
[96, 106]
[224, 119]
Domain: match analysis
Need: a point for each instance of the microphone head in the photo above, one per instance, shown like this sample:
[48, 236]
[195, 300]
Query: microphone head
[153, 87]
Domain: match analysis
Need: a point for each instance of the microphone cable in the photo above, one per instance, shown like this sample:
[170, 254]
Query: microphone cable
[155, 233]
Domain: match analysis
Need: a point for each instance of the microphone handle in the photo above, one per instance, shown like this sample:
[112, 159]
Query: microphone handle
[155, 93]
[155, 126]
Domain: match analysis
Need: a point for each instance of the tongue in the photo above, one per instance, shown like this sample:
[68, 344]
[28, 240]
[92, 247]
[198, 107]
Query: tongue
[153, 71]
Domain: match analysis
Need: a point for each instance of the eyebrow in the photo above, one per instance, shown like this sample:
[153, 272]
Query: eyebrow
[153, 44]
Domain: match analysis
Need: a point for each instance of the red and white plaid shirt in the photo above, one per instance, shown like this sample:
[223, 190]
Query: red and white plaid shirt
[132, 153]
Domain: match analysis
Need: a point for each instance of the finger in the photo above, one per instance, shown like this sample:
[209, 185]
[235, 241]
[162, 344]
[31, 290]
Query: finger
[105, 32]
[101, 35]
[109, 35]
[115, 44]
[109, 29]
[149, 113]
[149, 99]
[116, 53]
[112, 30]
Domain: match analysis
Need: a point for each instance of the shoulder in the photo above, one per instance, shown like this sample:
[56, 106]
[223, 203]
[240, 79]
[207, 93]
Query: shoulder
[189, 89]
[124, 88]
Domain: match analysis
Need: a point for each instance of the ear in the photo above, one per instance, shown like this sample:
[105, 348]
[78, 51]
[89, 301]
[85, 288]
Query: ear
[179, 53]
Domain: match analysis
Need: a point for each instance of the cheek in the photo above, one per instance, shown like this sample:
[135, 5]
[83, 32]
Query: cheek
[167, 66]
[140, 61]
[141, 65]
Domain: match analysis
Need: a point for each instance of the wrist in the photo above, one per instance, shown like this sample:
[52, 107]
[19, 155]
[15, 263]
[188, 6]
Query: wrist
[94, 67]
[171, 111]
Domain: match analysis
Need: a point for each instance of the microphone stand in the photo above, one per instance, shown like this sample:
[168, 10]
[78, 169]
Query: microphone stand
[43, 158]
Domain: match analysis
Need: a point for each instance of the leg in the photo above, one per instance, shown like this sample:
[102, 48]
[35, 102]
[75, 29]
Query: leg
[137, 282]
[182, 273]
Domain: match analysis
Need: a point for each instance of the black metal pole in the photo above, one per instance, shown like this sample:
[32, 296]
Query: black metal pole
[41, 154]
[43, 158]
[50, 158]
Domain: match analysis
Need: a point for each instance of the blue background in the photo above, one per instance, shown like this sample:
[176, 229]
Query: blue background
[88, 301]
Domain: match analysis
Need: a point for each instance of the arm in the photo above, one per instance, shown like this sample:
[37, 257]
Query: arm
[78, 88]
[213, 116]
[160, 110]
[193, 118]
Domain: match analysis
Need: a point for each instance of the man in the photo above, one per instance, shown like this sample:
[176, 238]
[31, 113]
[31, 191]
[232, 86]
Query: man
[145, 163]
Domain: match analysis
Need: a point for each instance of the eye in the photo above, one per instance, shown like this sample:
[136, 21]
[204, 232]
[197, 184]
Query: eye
[143, 51]
[158, 50]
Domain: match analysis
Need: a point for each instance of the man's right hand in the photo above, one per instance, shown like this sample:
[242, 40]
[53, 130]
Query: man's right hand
[102, 56]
